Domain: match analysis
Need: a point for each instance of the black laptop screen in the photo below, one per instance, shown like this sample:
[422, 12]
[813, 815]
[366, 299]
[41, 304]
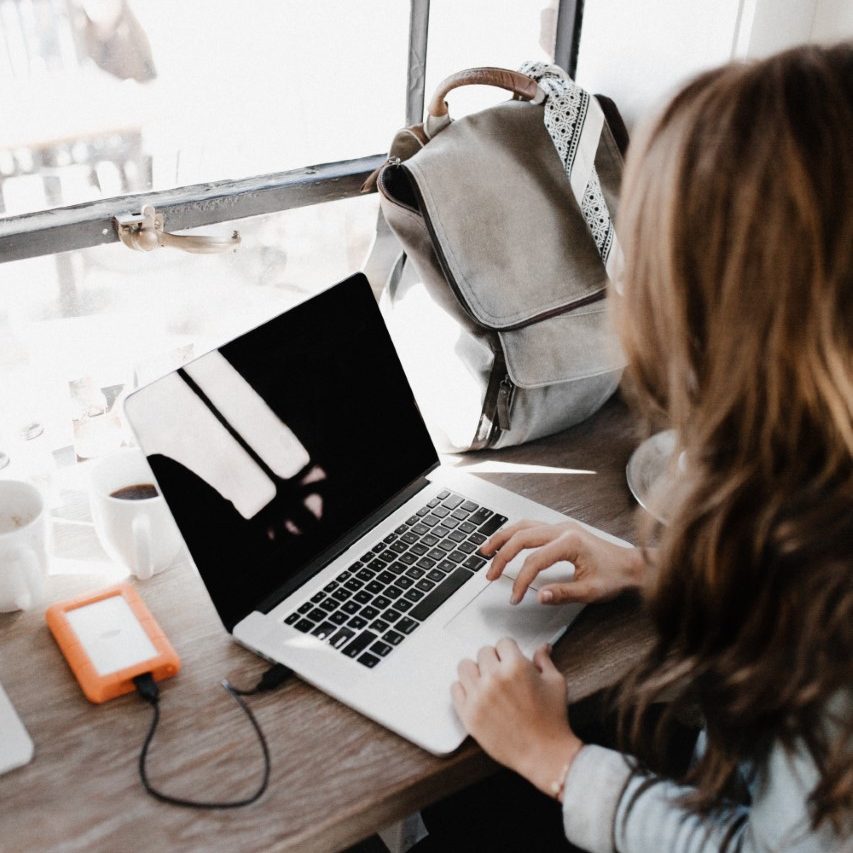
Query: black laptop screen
[270, 449]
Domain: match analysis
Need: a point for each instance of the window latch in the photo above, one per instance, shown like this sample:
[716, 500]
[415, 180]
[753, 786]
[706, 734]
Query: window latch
[146, 231]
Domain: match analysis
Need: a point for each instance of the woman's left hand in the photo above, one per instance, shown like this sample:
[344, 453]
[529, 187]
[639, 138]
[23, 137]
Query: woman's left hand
[516, 710]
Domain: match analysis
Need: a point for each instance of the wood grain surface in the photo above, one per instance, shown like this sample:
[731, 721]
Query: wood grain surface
[336, 776]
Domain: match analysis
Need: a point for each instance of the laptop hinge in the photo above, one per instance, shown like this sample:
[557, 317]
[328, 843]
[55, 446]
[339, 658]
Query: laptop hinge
[352, 535]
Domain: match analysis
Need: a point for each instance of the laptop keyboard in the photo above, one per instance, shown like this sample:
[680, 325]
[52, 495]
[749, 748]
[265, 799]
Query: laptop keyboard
[371, 607]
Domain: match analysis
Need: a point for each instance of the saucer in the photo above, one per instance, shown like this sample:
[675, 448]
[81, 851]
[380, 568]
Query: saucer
[647, 467]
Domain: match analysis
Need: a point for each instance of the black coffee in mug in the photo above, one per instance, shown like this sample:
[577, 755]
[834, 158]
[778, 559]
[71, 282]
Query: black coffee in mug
[136, 492]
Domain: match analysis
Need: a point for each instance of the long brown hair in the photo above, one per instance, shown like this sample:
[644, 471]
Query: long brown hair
[737, 320]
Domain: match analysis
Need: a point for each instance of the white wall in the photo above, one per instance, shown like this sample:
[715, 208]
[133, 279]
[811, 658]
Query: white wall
[640, 51]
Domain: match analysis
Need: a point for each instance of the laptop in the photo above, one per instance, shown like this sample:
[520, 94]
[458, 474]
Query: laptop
[303, 479]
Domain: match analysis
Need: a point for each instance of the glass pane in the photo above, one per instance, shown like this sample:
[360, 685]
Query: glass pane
[80, 329]
[482, 32]
[118, 96]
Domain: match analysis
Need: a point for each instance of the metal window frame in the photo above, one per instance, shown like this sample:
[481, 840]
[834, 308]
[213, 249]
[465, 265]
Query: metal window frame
[89, 224]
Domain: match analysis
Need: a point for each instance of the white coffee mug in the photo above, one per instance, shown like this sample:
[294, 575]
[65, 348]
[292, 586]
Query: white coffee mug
[140, 533]
[23, 546]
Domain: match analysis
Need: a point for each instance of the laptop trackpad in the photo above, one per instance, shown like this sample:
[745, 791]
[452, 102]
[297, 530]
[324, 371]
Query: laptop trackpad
[490, 616]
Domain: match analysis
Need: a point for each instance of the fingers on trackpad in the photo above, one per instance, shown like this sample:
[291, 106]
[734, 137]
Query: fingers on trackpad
[490, 616]
[561, 572]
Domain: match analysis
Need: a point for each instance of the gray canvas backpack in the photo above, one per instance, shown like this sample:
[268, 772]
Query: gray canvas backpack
[498, 307]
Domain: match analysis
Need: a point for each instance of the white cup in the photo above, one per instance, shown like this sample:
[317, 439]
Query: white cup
[23, 546]
[141, 534]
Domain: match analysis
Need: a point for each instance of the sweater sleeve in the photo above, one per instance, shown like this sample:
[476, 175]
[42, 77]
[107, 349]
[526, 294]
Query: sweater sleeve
[608, 808]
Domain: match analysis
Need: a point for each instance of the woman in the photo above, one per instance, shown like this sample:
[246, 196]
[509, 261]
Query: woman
[737, 321]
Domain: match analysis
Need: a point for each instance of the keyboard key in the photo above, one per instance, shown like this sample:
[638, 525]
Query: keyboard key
[452, 502]
[399, 547]
[404, 582]
[381, 648]
[425, 585]
[413, 595]
[351, 607]
[446, 566]
[481, 515]
[338, 617]
[317, 597]
[380, 626]
[378, 548]
[344, 576]
[374, 587]
[425, 563]
[391, 537]
[475, 562]
[381, 602]
[330, 587]
[434, 502]
[435, 554]
[357, 622]
[407, 625]
[363, 596]
[360, 643]
[409, 538]
[369, 660]
[456, 556]
[400, 530]
[415, 573]
[292, 619]
[447, 545]
[392, 615]
[450, 522]
[430, 520]
[477, 538]
[402, 605]
[422, 512]
[369, 612]
[317, 615]
[394, 637]
[492, 525]
[408, 559]
[412, 519]
[420, 529]
[324, 631]
[304, 608]
[393, 592]
[353, 585]
[329, 605]
[385, 577]
[444, 493]
[469, 506]
[467, 527]
[467, 547]
[397, 568]
[460, 514]
[418, 549]
[376, 565]
[435, 575]
[429, 540]
[458, 536]
[440, 594]
[366, 574]
[441, 512]
[388, 556]
[441, 531]
[304, 625]
[342, 637]
[341, 594]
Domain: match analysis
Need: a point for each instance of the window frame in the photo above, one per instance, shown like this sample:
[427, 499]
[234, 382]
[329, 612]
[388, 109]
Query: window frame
[90, 224]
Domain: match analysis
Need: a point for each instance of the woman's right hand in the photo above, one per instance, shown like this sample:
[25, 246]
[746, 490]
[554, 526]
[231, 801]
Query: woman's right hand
[602, 569]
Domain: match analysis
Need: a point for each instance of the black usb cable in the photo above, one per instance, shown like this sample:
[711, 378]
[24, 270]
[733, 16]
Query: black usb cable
[150, 692]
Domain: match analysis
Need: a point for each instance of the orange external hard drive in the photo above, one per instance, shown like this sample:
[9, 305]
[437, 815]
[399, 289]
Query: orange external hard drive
[108, 638]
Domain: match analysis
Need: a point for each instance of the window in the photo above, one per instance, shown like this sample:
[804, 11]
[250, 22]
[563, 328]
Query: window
[264, 117]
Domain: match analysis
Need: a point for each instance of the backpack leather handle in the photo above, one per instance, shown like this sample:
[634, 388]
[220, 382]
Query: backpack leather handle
[523, 87]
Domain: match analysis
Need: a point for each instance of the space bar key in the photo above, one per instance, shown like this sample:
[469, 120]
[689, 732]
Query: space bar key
[440, 594]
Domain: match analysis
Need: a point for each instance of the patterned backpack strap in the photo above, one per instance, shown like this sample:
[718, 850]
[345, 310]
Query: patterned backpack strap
[574, 120]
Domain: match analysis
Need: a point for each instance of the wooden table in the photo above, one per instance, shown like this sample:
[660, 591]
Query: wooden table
[336, 776]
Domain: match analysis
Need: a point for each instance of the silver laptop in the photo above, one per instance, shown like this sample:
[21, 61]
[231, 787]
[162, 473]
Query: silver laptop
[303, 479]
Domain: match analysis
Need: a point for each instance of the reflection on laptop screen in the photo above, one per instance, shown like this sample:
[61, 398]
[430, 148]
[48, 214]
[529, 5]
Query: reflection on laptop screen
[272, 447]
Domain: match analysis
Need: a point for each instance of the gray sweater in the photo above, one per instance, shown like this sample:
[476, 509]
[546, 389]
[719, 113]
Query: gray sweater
[599, 787]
